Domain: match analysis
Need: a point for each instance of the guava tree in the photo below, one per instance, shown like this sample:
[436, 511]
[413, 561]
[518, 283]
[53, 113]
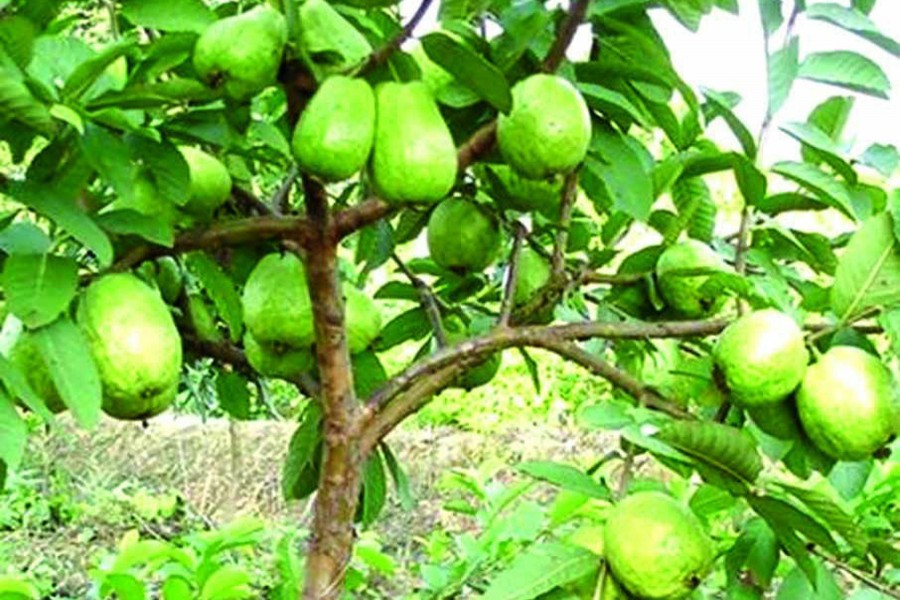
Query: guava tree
[186, 181]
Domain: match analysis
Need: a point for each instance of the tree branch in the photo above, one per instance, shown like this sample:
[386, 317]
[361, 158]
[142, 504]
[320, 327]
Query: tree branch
[360, 215]
[248, 203]
[611, 278]
[382, 55]
[570, 190]
[564, 36]
[512, 276]
[428, 301]
[280, 204]
[862, 576]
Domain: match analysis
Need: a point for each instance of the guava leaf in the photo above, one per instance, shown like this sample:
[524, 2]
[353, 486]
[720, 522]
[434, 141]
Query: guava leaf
[17, 103]
[89, 71]
[368, 373]
[852, 20]
[566, 477]
[227, 583]
[614, 176]
[125, 586]
[234, 398]
[782, 67]
[757, 549]
[374, 493]
[13, 433]
[470, 69]
[832, 515]
[24, 238]
[410, 325]
[890, 321]
[301, 457]
[39, 287]
[868, 272]
[720, 446]
[848, 70]
[770, 510]
[828, 189]
[799, 584]
[131, 222]
[169, 15]
[720, 107]
[540, 569]
[398, 475]
[72, 368]
[17, 384]
[813, 137]
[220, 288]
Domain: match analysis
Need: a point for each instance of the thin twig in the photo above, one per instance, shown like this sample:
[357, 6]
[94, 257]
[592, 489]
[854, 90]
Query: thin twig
[569, 193]
[564, 35]
[248, 203]
[381, 56]
[611, 278]
[428, 300]
[858, 574]
[281, 200]
[512, 276]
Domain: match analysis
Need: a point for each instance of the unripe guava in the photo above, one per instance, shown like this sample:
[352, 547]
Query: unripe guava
[762, 357]
[334, 136]
[462, 236]
[277, 307]
[414, 157]
[680, 286]
[134, 344]
[846, 403]
[210, 183]
[656, 547]
[534, 274]
[548, 129]
[242, 54]
[363, 319]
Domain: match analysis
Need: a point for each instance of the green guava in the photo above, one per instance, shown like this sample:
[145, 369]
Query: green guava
[462, 236]
[680, 285]
[26, 357]
[363, 318]
[277, 307]
[480, 374]
[277, 360]
[656, 547]
[846, 403]
[202, 320]
[525, 195]
[414, 157]
[334, 136]
[329, 44]
[210, 184]
[548, 129]
[534, 274]
[762, 357]
[242, 54]
[134, 344]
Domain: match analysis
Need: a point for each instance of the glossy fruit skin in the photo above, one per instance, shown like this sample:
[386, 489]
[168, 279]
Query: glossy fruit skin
[363, 319]
[277, 360]
[334, 136]
[414, 157]
[762, 356]
[846, 403]
[210, 183]
[277, 307]
[682, 292]
[242, 53]
[328, 43]
[25, 356]
[534, 274]
[656, 547]
[548, 130]
[462, 236]
[134, 344]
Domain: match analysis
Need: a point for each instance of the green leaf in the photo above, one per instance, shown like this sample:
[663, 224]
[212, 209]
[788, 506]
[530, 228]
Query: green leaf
[770, 12]
[832, 515]
[616, 174]
[611, 103]
[770, 509]
[398, 475]
[854, 21]
[220, 289]
[689, 12]
[789, 516]
[815, 138]
[126, 587]
[88, 72]
[566, 477]
[788, 201]
[540, 569]
[693, 201]
[131, 222]
[719, 106]
[165, 165]
[68, 358]
[890, 321]
[17, 35]
[828, 189]
[111, 157]
[169, 15]
[13, 433]
[757, 549]
[228, 582]
[799, 584]
[18, 104]
[374, 491]
[848, 70]
[410, 325]
[301, 457]
[720, 446]
[868, 273]
[470, 69]
[39, 287]
[882, 157]
[24, 238]
[59, 206]
[17, 385]
[782, 66]
[368, 373]
[234, 397]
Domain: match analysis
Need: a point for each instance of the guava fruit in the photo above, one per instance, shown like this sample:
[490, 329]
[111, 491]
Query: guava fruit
[202, 319]
[414, 158]
[134, 344]
[534, 274]
[656, 547]
[462, 236]
[242, 54]
[680, 287]
[334, 136]
[526, 195]
[169, 278]
[329, 43]
[480, 374]
[548, 129]
[25, 356]
[277, 360]
[210, 182]
[762, 357]
[277, 307]
[363, 318]
[846, 403]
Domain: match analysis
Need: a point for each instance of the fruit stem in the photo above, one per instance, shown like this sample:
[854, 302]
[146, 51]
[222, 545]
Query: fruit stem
[512, 275]
[428, 301]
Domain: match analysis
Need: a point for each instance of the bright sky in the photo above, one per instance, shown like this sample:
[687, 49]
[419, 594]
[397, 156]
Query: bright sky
[727, 55]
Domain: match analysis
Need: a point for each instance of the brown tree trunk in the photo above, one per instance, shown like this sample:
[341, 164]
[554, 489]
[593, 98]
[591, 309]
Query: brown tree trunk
[340, 482]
